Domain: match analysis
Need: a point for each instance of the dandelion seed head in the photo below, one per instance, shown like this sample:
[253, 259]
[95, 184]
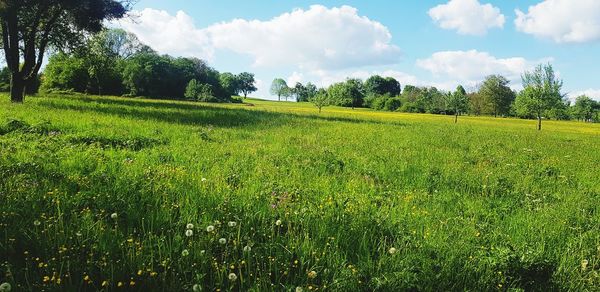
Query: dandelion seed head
[189, 233]
[278, 222]
[210, 228]
[232, 277]
[232, 223]
[185, 253]
[247, 248]
[5, 287]
[189, 226]
[392, 250]
[114, 216]
[312, 274]
[222, 240]
[37, 223]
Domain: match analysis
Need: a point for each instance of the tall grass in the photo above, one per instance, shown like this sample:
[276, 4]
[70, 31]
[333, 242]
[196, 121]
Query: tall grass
[97, 193]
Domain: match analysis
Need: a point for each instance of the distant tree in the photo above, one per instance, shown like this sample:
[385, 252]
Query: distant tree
[279, 87]
[246, 83]
[298, 91]
[378, 85]
[497, 94]
[230, 83]
[584, 108]
[65, 72]
[320, 99]
[348, 94]
[458, 102]
[477, 104]
[542, 92]
[30, 27]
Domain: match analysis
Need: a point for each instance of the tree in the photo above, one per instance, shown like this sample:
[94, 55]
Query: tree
[584, 108]
[347, 94]
[279, 87]
[230, 83]
[458, 102]
[497, 94]
[378, 85]
[541, 93]
[320, 99]
[192, 90]
[298, 91]
[29, 27]
[246, 83]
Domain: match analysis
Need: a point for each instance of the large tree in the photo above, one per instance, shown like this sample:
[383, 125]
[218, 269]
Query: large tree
[30, 27]
[279, 87]
[246, 83]
[497, 94]
[542, 92]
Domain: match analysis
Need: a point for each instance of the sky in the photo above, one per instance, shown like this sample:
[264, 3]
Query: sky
[425, 43]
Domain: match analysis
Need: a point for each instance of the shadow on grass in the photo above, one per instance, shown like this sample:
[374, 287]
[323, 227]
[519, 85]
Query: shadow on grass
[191, 114]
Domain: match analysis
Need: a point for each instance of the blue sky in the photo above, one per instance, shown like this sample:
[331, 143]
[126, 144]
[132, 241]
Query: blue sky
[439, 43]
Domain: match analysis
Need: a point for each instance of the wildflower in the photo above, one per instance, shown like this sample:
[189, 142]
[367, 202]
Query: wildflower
[392, 250]
[299, 289]
[153, 274]
[232, 277]
[232, 223]
[132, 283]
[584, 264]
[120, 284]
[37, 223]
[210, 228]
[114, 216]
[278, 222]
[185, 253]
[222, 240]
[247, 248]
[86, 278]
[79, 234]
[189, 233]
[312, 274]
[104, 283]
[203, 179]
[189, 226]
[5, 287]
[196, 288]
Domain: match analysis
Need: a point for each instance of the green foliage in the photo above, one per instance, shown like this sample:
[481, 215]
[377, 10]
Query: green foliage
[65, 72]
[369, 201]
[542, 92]
[246, 83]
[497, 96]
[321, 99]
[347, 94]
[377, 85]
[585, 108]
[458, 102]
[423, 100]
[280, 88]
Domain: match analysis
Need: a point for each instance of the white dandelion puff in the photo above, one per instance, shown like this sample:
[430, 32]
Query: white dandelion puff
[232, 223]
[222, 240]
[210, 228]
[278, 222]
[189, 233]
[189, 226]
[37, 223]
[392, 250]
[247, 248]
[232, 277]
[114, 216]
[185, 252]
[5, 287]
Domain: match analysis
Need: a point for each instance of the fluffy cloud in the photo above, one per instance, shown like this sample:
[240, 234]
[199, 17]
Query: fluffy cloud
[472, 66]
[564, 21]
[467, 16]
[591, 93]
[317, 38]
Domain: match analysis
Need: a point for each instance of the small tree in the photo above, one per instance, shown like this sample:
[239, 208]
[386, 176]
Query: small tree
[584, 108]
[458, 102]
[542, 91]
[279, 87]
[320, 100]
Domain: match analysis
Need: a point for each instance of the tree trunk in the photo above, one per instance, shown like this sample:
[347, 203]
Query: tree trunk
[456, 118]
[278, 97]
[539, 123]
[17, 88]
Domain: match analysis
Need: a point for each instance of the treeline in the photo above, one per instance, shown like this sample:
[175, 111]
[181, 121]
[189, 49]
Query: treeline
[541, 99]
[114, 62]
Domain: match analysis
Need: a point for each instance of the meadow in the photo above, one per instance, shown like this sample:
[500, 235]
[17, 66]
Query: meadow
[109, 193]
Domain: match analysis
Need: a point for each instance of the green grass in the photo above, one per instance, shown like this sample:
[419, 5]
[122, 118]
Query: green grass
[485, 204]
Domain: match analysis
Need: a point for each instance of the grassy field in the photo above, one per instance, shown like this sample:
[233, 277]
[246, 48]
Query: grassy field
[100, 193]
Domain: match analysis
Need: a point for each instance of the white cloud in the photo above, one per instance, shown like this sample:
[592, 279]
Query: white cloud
[470, 67]
[294, 78]
[467, 16]
[591, 93]
[564, 21]
[317, 38]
